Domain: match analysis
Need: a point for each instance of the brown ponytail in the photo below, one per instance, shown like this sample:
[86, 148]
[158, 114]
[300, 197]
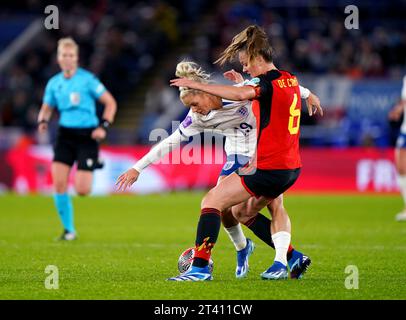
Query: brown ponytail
[253, 40]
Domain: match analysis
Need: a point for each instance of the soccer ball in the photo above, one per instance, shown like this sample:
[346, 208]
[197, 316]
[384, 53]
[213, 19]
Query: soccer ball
[186, 259]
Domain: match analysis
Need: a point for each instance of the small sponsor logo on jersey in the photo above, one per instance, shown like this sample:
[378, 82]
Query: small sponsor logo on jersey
[75, 98]
[187, 122]
[243, 111]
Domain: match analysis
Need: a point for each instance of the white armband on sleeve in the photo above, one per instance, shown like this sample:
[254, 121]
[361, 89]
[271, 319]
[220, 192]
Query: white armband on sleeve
[160, 150]
[304, 92]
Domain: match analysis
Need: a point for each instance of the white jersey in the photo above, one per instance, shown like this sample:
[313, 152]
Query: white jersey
[235, 121]
[403, 127]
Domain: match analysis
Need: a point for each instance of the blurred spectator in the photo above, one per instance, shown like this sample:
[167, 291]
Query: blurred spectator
[120, 41]
[311, 38]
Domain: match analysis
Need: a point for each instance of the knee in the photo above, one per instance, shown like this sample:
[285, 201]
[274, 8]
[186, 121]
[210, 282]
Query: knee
[83, 190]
[210, 201]
[243, 214]
[60, 186]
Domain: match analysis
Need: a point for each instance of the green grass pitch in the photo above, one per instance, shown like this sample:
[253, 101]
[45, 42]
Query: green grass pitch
[129, 245]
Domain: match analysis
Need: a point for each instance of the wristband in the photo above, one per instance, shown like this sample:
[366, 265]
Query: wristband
[105, 124]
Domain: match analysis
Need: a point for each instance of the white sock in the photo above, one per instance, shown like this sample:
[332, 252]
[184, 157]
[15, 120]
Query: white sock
[402, 186]
[281, 240]
[237, 237]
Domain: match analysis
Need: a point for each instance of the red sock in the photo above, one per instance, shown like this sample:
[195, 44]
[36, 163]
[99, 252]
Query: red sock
[203, 250]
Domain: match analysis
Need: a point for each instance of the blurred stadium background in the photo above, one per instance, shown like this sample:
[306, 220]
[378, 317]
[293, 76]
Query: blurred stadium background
[133, 47]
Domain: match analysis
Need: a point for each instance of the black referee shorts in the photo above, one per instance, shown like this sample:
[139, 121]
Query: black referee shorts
[269, 183]
[76, 145]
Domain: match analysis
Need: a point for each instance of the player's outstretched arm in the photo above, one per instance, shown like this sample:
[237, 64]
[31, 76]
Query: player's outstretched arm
[222, 91]
[156, 153]
[43, 117]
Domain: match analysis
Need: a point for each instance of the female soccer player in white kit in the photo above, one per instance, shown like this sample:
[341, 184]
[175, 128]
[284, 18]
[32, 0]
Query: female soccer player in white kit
[237, 123]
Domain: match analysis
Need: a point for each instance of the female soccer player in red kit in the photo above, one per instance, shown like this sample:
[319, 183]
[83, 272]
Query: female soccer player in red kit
[276, 167]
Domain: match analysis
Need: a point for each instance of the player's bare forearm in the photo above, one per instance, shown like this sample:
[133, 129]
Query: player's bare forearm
[44, 116]
[45, 113]
[229, 92]
[223, 91]
[110, 106]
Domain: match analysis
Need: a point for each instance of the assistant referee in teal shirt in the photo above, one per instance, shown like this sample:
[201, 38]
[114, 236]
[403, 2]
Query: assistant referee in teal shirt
[73, 92]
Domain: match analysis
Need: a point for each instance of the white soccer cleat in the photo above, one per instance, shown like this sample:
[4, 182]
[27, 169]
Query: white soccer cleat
[67, 236]
[401, 216]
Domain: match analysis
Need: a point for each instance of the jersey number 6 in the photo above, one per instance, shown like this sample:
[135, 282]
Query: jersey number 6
[294, 114]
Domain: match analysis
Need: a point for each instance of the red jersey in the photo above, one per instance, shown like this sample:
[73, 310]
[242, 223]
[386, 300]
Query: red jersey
[277, 108]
